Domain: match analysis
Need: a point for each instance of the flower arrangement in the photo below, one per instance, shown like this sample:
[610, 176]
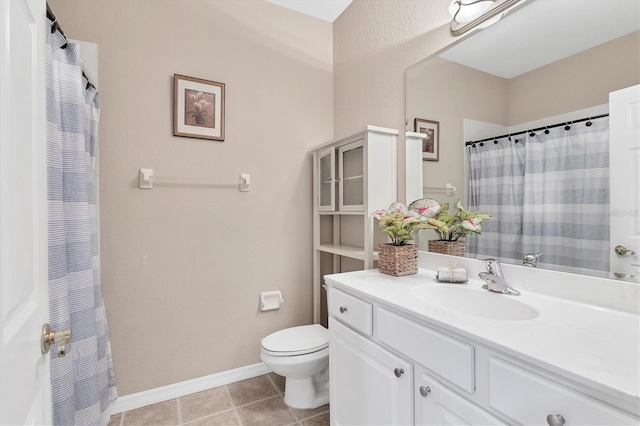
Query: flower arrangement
[449, 227]
[200, 104]
[402, 223]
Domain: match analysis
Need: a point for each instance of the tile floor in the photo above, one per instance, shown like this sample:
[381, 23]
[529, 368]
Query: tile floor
[257, 401]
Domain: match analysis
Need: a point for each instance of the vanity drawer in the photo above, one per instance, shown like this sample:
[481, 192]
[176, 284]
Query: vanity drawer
[350, 310]
[447, 357]
[528, 399]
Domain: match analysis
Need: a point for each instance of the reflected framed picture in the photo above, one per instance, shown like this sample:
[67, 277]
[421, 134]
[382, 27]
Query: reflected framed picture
[198, 108]
[431, 140]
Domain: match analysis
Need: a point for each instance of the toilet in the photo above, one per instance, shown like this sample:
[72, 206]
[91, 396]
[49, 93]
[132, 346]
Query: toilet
[301, 355]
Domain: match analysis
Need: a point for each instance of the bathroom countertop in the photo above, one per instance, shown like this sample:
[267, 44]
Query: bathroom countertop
[590, 345]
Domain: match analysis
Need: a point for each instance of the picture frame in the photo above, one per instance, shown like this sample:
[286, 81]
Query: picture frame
[198, 108]
[431, 141]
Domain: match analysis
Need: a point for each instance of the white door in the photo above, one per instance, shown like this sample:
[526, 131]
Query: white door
[624, 119]
[24, 372]
[368, 385]
[438, 406]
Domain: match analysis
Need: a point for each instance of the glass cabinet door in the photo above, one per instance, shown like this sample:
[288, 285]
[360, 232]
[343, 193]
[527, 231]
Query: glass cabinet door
[351, 176]
[327, 180]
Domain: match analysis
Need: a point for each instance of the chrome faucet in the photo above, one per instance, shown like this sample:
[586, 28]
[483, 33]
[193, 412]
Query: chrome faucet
[494, 279]
[531, 259]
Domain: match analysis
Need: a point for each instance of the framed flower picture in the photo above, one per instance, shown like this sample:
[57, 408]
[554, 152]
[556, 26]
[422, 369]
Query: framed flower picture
[431, 140]
[198, 108]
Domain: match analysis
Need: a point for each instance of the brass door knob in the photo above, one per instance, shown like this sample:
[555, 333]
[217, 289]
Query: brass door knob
[60, 337]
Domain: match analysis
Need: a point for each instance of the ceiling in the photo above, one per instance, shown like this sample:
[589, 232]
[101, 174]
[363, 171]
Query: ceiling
[505, 49]
[327, 10]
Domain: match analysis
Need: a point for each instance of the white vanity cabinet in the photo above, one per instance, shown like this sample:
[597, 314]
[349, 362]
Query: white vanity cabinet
[446, 378]
[375, 384]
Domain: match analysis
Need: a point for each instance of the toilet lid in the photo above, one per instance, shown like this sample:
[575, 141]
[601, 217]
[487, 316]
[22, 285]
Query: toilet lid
[303, 339]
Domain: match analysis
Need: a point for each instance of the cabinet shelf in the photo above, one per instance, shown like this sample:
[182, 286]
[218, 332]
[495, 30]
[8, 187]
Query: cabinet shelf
[353, 178]
[342, 213]
[345, 250]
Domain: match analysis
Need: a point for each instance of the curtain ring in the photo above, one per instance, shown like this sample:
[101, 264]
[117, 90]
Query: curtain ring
[589, 123]
[546, 131]
[567, 127]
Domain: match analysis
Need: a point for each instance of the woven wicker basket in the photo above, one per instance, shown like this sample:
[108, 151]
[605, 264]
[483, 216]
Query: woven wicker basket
[398, 260]
[453, 248]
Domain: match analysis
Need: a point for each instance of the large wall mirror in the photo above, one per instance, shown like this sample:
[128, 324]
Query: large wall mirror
[549, 62]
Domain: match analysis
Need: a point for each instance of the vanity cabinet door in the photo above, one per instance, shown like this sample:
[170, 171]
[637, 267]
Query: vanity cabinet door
[437, 405]
[369, 385]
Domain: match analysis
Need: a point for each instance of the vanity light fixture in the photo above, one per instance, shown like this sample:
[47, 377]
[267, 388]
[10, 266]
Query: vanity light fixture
[463, 11]
[469, 14]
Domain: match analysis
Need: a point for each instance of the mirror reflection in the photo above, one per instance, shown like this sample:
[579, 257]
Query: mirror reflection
[549, 190]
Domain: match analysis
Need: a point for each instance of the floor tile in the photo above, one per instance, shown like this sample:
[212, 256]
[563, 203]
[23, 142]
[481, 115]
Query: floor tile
[319, 420]
[162, 413]
[278, 381]
[260, 399]
[305, 414]
[251, 390]
[271, 411]
[202, 404]
[226, 418]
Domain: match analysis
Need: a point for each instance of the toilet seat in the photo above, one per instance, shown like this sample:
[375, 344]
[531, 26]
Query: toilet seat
[293, 341]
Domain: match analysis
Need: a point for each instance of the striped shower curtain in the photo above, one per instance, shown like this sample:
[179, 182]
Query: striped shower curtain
[547, 193]
[82, 382]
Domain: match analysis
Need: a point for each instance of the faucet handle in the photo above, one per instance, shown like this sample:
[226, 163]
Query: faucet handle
[493, 266]
[531, 259]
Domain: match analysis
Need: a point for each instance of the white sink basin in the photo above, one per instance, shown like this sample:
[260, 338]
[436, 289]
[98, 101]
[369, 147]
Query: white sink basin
[475, 302]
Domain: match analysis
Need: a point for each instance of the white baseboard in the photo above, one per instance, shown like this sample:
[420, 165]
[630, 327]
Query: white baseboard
[176, 390]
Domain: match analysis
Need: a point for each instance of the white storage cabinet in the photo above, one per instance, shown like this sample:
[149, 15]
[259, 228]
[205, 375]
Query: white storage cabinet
[352, 177]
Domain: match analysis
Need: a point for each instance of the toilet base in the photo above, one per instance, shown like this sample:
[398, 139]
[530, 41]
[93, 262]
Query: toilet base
[304, 394]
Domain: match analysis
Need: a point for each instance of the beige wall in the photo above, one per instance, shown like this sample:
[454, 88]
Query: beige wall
[576, 82]
[182, 267]
[374, 42]
[448, 92]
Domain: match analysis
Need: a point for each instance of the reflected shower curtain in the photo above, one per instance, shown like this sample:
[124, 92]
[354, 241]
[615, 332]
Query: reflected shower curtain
[548, 193]
[82, 382]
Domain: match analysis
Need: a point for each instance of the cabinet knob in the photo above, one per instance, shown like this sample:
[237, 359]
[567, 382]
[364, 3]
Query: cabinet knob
[555, 420]
[398, 372]
[343, 309]
[425, 391]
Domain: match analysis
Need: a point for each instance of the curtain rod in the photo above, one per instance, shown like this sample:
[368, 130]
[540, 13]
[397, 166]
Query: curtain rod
[566, 124]
[56, 27]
